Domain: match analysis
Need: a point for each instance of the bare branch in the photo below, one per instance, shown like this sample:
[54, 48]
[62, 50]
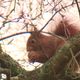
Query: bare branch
[15, 34]
[55, 14]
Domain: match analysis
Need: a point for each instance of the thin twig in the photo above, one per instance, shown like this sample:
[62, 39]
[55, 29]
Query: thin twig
[54, 15]
[15, 34]
[77, 6]
[53, 34]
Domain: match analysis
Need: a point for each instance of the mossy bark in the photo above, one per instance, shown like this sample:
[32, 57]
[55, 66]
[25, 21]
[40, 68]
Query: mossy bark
[54, 69]
[9, 66]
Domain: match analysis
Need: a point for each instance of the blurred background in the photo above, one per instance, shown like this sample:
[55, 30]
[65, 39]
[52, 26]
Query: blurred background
[18, 16]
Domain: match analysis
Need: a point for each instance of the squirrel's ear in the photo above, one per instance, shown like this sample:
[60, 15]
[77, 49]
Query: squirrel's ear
[32, 28]
[35, 29]
[35, 32]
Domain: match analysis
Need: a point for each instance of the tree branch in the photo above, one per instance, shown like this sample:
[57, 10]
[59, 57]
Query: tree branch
[53, 68]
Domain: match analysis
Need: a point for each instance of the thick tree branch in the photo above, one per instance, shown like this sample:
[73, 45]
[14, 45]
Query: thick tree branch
[51, 69]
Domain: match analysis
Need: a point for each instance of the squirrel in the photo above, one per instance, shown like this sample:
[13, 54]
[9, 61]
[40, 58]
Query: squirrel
[42, 47]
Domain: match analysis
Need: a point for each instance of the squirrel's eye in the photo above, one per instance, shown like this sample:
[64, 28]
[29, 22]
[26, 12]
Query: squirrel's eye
[33, 41]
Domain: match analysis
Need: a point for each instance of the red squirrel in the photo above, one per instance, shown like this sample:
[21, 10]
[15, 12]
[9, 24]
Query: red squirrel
[42, 47]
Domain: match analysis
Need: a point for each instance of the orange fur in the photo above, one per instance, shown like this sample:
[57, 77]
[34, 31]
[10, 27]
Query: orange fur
[42, 47]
